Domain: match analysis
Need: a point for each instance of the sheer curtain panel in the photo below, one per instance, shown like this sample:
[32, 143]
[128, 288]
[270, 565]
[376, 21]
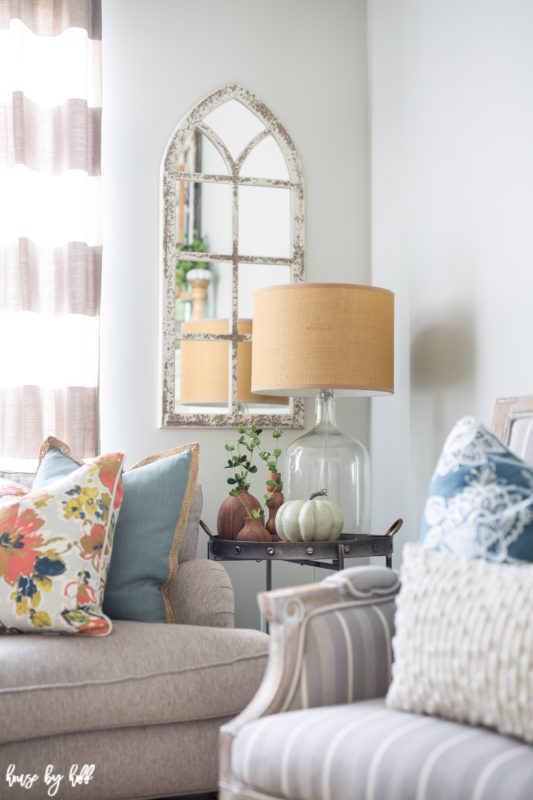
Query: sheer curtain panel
[50, 228]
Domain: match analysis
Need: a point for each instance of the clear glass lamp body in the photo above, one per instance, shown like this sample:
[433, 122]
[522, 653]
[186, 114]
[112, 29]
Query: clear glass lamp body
[325, 458]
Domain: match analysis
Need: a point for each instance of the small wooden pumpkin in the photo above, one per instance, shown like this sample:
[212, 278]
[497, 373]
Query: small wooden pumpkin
[309, 520]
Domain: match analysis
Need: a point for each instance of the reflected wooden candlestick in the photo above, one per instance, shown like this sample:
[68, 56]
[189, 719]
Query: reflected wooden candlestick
[198, 293]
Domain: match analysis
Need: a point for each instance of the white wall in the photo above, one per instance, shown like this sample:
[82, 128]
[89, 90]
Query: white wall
[452, 232]
[306, 59]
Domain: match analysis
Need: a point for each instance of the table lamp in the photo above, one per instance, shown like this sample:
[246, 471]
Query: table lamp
[325, 339]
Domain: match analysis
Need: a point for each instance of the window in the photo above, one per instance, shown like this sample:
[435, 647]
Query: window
[50, 241]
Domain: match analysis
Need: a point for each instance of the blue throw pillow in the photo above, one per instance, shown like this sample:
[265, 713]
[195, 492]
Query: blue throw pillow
[480, 500]
[151, 523]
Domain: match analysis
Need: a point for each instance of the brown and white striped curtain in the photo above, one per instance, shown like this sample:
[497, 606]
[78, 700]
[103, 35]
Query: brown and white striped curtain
[50, 228]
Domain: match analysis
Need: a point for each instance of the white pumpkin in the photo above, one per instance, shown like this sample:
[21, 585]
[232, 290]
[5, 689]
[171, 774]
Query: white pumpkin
[309, 520]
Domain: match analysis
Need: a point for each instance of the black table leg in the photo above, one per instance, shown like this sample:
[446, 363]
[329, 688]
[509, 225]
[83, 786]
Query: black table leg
[340, 557]
[268, 574]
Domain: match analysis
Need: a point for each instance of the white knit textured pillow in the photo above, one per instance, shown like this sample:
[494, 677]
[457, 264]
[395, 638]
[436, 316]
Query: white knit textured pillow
[464, 641]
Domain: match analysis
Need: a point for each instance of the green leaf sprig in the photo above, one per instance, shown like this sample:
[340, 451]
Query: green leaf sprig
[271, 458]
[197, 245]
[241, 462]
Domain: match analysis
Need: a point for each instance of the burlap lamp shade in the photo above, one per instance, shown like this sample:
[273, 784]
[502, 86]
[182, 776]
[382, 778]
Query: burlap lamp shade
[311, 336]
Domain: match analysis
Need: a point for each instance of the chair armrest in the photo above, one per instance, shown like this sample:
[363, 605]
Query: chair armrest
[332, 639]
[202, 594]
[330, 643]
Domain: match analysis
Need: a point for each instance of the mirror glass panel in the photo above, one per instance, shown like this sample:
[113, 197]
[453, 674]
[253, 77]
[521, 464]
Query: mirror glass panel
[232, 223]
[234, 125]
[264, 222]
[209, 158]
[265, 159]
[251, 279]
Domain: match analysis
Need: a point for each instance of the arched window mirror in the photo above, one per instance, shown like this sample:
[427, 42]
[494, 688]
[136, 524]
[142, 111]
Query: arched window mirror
[232, 222]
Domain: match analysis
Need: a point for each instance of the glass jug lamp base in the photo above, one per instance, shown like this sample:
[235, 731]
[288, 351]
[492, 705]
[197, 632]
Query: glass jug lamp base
[325, 458]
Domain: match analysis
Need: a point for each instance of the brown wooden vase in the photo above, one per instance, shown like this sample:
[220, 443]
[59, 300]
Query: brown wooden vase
[277, 501]
[232, 514]
[254, 530]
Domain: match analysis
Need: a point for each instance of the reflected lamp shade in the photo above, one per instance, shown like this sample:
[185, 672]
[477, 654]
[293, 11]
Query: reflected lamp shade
[325, 339]
[204, 371]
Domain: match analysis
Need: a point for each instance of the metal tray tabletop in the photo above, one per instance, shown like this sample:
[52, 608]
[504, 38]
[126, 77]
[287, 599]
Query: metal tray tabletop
[348, 545]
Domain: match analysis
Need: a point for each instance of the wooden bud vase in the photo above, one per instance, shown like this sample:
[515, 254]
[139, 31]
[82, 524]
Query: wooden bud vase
[232, 514]
[278, 500]
[254, 530]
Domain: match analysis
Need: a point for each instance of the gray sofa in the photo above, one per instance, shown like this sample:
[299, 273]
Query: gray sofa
[143, 705]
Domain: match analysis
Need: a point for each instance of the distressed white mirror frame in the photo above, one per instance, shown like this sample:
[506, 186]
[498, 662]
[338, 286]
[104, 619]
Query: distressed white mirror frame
[194, 120]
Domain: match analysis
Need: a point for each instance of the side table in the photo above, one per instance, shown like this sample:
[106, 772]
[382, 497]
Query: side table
[325, 555]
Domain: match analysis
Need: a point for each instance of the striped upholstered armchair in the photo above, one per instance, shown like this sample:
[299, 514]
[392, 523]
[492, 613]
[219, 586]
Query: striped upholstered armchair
[330, 647]
[319, 728]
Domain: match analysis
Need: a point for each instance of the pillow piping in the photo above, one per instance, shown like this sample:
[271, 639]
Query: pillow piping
[170, 611]
[53, 441]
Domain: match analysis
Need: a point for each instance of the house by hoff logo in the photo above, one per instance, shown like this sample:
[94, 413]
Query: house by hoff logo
[77, 776]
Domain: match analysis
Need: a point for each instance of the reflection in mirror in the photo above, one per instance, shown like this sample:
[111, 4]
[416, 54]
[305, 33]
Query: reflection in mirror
[232, 223]
[234, 125]
[202, 155]
[251, 279]
[257, 204]
[265, 159]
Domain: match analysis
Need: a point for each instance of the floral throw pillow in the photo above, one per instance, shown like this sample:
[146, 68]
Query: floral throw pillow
[480, 499]
[55, 547]
[10, 489]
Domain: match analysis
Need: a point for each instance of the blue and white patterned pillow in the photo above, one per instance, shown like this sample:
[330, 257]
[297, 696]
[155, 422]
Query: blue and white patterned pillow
[480, 500]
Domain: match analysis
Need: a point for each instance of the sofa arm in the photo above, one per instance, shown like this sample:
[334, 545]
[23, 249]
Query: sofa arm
[203, 594]
[330, 643]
